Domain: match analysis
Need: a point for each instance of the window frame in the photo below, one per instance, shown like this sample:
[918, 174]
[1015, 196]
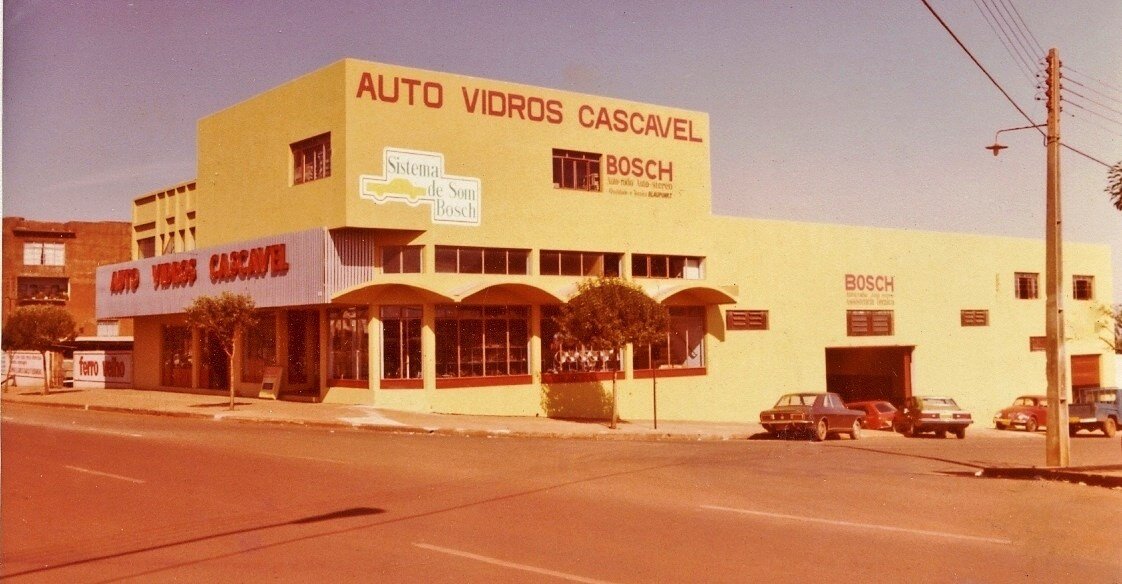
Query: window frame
[577, 170]
[1026, 285]
[311, 159]
[1082, 287]
[402, 259]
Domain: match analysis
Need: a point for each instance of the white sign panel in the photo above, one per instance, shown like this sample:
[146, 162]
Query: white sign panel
[414, 178]
[102, 368]
[23, 365]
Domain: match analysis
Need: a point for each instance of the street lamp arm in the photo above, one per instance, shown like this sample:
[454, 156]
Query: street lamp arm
[997, 147]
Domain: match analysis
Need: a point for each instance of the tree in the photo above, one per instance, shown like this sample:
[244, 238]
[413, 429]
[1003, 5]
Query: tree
[225, 316]
[39, 328]
[1109, 325]
[608, 313]
[1114, 184]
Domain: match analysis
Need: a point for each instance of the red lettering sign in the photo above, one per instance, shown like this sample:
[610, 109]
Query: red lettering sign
[640, 168]
[869, 283]
[174, 274]
[127, 280]
[248, 263]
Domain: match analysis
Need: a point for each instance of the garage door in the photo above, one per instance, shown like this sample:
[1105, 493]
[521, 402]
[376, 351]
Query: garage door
[1085, 370]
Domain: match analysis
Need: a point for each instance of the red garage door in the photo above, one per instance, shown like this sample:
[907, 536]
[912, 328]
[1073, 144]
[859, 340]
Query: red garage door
[1085, 370]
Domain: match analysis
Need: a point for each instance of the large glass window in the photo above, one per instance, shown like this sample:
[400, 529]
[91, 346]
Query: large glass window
[475, 341]
[559, 356]
[578, 263]
[348, 360]
[576, 170]
[311, 159]
[666, 266]
[175, 356]
[481, 260]
[401, 259]
[401, 342]
[44, 254]
[684, 345]
[259, 348]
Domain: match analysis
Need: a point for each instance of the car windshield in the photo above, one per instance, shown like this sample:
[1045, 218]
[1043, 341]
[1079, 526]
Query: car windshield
[885, 407]
[939, 403]
[1106, 397]
[797, 399]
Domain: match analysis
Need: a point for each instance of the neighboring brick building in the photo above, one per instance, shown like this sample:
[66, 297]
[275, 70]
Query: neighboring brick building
[54, 263]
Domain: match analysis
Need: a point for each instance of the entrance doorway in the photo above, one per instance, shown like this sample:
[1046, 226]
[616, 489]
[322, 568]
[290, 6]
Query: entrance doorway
[214, 365]
[302, 366]
[870, 373]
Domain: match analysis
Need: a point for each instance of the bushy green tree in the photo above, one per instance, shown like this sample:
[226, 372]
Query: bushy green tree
[608, 313]
[225, 316]
[39, 328]
[1114, 185]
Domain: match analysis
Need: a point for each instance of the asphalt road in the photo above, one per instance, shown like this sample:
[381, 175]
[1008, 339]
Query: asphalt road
[99, 497]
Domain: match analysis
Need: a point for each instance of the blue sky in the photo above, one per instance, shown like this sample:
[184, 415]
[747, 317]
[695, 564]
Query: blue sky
[859, 112]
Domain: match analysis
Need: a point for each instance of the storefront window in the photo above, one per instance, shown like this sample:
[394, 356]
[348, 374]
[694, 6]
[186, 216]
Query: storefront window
[684, 346]
[175, 356]
[259, 348]
[401, 342]
[476, 341]
[561, 357]
[349, 344]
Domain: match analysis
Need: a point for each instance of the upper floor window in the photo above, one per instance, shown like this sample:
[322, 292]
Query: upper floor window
[401, 259]
[481, 260]
[44, 254]
[311, 159]
[146, 248]
[31, 288]
[1026, 284]
[579, 263]
[1083, 287]
[869, 323]
[665, 266]
[576, 170]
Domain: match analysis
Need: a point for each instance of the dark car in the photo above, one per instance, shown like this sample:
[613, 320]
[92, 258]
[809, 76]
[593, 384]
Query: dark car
[932, 414]
[818, 414]
[1028, 411]
[878, 413]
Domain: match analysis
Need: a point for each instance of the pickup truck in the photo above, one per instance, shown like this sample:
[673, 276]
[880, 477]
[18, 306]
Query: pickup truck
[1094, 408]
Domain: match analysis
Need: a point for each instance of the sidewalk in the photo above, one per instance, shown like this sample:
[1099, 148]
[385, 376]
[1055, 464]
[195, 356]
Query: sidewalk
[373, 418]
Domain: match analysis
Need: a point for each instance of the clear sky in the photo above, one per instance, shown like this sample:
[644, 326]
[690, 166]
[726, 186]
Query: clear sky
[860, 112]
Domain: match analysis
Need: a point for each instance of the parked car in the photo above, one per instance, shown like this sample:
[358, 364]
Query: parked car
[1094, 408]
[878, 413]
[817, 414]
[1027, 411]
[932, 414]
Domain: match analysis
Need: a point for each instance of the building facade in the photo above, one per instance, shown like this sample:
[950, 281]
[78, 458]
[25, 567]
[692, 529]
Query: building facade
[409, 234]
[54, 263]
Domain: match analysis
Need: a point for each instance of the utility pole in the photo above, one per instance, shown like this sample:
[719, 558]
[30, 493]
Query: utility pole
[1058, 442]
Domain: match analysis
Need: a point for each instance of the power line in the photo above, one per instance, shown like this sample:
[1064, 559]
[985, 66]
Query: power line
[1090, 111]
[1084, 155]
[1101, 127]
[1092, 89]
[1099, 81]
[991, 21]
[1015, 32]
[1104, 106]
[1039, 47]
[982, 68]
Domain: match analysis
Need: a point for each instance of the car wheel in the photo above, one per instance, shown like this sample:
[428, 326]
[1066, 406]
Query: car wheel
[940, 433]
[820, 431]
[999, 426]
[1030, 425]
[960, 433]
[1110, 427]
[908, 429]
[855, 433]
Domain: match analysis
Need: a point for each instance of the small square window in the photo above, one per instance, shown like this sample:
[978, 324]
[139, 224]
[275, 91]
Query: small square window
[1026, 285]
[1083, 287]
[974, 318]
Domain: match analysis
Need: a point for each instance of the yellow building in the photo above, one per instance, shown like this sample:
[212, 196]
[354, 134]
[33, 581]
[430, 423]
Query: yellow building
[408, 235]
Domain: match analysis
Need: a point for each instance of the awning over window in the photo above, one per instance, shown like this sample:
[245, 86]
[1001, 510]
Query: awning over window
[692, 293]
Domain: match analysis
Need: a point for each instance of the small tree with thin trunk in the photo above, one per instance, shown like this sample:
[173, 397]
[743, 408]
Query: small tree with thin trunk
[225, 316]
[1114, 185]
[608, 313]
[39, 328]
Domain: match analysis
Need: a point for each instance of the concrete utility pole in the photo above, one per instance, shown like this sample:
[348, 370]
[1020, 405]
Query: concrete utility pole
[1058, 442]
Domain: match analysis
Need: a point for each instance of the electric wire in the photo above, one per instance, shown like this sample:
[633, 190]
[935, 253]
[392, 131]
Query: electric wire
[1015, 32]
[998, 85]
[1072, 81]
[1002, 36]
[1099, 81]
[1039, 47]
[1090, 111]
[1102, 105]
[1093, 124]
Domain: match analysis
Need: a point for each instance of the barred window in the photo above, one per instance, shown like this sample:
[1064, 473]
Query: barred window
[869, 323]
[746, 320]
[974, 318]
[1083, 287]
[311, 159]
[1026, 285]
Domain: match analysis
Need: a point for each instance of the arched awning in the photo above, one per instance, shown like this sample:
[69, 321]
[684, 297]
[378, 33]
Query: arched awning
[389, 292]
[518, 292]
[693, 293]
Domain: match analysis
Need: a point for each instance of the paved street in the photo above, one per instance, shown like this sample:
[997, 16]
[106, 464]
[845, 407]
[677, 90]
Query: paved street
[97, 497]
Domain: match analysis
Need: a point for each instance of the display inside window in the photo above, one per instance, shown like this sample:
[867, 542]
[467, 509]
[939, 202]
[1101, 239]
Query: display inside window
[259, 348]
[401, 342]
[175, 356]
[684, 346]
[561, 356]
[477, 341]
[348, 358]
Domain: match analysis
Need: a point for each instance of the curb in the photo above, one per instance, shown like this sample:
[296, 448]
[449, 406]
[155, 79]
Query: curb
[1079, 475]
